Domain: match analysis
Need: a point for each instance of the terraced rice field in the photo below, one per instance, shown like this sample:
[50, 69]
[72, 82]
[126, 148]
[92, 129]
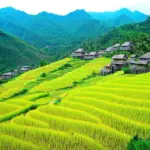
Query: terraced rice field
[98, 113]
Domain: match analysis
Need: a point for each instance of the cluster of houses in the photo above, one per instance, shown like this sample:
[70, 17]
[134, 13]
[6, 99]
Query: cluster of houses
[80, 53]
[135, 65]
[14, 73]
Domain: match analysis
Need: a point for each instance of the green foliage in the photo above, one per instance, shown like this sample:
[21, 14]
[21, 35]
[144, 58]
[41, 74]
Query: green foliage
[13, 114]
[119, 17]
[21, 92]
[111, 54]
[43, 75]
[14, 53]
[126, 70]
[43, 63]
[133, 32]
[65, 66]
[51, 30]
[139, 144]
[141, 44]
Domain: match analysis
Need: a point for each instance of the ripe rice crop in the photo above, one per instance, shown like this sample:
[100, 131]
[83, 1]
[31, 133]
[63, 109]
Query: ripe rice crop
[92, 112]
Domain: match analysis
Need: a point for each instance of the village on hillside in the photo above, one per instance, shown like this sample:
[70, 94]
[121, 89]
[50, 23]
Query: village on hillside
[136, 65]
[15, 72]
[133, 64]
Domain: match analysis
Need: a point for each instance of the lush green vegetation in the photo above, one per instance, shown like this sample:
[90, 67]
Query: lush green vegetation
[47, 29]
[69, 106]
[138, 33]
[138, 144]
[119, 17]
[14, 53]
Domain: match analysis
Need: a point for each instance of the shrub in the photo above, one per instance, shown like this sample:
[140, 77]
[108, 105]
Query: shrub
[139, 144]
[23, 91]
[43, 75]
[75, 83]
[65, 66]
[94, 74]
[126, 70]
[43, 63]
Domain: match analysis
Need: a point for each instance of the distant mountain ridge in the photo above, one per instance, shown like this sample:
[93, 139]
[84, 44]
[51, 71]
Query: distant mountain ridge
[53, 29]
[48, 29]
[111, 17]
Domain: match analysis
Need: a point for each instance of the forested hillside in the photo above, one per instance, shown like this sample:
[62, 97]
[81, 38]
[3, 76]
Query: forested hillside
[51, 29]
[119, 35]
[23, 33]
[14, 52]
[119, 17]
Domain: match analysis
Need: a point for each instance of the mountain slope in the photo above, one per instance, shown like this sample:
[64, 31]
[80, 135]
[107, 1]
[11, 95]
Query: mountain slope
[23, 33]
[79, 24]
[14, 52]
[120, 34]
[56, 29]
[124, 16]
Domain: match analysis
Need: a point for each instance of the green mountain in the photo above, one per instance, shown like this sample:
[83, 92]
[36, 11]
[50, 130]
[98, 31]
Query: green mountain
[55, 29]
[119, 17]
[120, 34]
[14, 52]
[78, 24]
[23, 33]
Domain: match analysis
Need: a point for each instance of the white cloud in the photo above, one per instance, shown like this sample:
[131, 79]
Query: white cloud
[65, 6]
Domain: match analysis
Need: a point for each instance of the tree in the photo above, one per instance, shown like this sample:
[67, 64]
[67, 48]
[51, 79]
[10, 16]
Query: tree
[43, 63]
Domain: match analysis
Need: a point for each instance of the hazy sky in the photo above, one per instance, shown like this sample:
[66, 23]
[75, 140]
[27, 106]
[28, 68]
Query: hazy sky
[65, 6]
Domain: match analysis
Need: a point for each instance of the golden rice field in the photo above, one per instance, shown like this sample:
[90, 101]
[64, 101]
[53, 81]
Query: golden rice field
[98, 113]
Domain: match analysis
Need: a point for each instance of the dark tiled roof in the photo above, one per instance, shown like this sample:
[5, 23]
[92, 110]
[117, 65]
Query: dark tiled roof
[139, 62]
[146, 56]
[109, 49]
[92, 53]
[126, 44]
[79, 50]
[120, 56]
[116, 45]
[120, 62]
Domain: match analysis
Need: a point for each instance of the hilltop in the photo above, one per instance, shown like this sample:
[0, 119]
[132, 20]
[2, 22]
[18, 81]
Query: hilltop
[54, 29]
[48, 29]
[68, 105]
[119, 17]
[14, 52]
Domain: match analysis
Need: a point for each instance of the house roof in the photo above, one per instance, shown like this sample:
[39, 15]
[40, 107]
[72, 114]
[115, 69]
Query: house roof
[16, 70]
[8, 74]
[92, 53]
[126, 44]
[101, 52]
[133, 56]
[108, 49]
[79, 50]
[77, 55]
[120, 62]
[23, 69]
[86, 54]
[146, 56]
[120, 56]
[139, 62]
[116, 45]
